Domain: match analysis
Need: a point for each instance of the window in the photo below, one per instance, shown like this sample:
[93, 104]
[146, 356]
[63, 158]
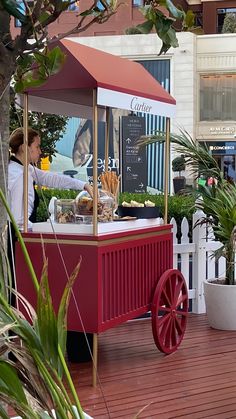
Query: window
[137, 3]
[21, 8]
[198, 19]
[73, 7]
[218, 97]
[221, 13]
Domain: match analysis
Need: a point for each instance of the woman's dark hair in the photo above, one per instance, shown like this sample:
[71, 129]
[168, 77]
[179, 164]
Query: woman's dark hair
[17, 138]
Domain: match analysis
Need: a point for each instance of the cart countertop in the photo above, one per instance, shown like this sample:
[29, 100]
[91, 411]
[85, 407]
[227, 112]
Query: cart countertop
[103, 228]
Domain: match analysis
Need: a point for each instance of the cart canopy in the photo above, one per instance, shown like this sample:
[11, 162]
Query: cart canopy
[120, 83]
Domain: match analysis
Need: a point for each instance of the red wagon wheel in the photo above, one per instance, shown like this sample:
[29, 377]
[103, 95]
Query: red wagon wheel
[169, 311]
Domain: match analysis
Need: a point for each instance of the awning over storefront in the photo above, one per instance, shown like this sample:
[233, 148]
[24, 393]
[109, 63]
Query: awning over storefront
[120, 83]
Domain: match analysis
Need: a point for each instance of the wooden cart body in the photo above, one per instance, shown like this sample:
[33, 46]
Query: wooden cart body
[117, 279]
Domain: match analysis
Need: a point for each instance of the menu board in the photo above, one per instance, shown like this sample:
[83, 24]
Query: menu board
[134, 167]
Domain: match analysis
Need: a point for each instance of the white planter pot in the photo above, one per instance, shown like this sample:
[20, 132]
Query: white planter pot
[220, 305]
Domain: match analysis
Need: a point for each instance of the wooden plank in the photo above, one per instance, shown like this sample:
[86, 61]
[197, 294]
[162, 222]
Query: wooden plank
[196, 382]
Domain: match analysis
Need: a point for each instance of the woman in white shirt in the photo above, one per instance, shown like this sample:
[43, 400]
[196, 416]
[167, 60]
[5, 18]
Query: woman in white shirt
[35, 176]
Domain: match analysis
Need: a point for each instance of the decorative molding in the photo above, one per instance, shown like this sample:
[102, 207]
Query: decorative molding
[221, 62]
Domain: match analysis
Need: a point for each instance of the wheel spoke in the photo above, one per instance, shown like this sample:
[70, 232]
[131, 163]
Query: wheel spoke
[163, 319]
[181, 299]
[178, 326]
[164, 294]
[182, 313]
[177, 291]
[165, 333]
[173, 334]
[165, 309]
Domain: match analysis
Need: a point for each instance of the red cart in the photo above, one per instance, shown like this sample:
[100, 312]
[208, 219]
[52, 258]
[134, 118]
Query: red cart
[128, 270]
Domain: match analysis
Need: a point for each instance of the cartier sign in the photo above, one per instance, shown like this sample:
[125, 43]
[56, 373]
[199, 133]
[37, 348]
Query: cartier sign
[138, 106]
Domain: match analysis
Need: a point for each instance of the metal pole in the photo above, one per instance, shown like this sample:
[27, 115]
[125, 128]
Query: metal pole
[107, 134]
[95, 358]
[167, 163]
[95, 163]
[25, 176]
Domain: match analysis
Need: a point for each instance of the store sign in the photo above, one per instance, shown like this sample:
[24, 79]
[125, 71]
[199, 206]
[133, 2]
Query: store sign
[221, 130]
[223, 148]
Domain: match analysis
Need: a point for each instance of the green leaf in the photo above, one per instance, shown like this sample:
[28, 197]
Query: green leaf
[46, 324]
[145, 27]
[149, 13]
[189, 20]
[9, 378]
[44, 17]
[56, 59]
[63, 309]
[3, 414]
[26, 84]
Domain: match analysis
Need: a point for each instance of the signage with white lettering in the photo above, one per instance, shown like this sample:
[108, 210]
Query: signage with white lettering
[134, 166]
[222, 130]
[223, 148]
[120, 100]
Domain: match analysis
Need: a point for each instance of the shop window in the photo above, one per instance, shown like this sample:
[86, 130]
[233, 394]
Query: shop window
[218, 97]
[221, 13]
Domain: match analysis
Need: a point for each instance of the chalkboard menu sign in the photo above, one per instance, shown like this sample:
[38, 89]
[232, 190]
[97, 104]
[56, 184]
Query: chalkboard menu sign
[134, 168]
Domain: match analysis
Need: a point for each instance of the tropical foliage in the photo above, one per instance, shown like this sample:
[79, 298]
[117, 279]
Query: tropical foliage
[197, 157]
[218, 201]
[32, 385]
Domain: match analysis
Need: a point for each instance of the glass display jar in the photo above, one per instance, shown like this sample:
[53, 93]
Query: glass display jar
[84, 205]
[64, 211]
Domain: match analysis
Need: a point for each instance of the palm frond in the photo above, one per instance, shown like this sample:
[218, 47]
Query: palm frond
[197, 157]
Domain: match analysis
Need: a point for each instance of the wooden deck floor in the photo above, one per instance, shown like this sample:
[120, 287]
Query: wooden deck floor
[198, 381]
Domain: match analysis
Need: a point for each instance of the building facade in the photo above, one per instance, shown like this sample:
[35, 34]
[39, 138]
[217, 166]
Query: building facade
[210, 16]
[201, 75]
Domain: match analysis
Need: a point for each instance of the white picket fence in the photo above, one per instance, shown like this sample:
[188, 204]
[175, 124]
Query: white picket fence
[196, 260]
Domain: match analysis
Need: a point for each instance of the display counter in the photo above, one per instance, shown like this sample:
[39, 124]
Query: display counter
[103, 228]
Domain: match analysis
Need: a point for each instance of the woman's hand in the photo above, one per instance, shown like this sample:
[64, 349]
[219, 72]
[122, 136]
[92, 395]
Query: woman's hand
[89, 189]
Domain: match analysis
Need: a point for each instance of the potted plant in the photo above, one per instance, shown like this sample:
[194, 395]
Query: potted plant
[218, 202]
[178, 165]
[34, 383]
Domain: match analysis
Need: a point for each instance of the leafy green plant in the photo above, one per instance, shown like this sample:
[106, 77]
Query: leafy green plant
[198, 160]
[163, 23]
[179, 206]
[218, 202]
[33, 384]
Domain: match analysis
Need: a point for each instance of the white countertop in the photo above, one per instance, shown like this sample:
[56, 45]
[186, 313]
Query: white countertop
[103, 228]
